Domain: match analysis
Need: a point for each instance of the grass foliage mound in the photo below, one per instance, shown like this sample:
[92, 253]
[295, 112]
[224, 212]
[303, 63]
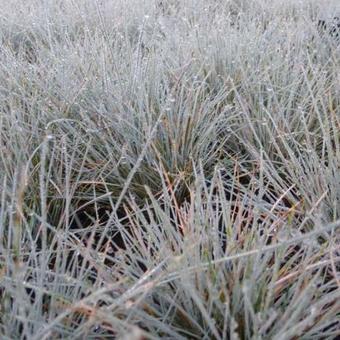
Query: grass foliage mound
[169, 169]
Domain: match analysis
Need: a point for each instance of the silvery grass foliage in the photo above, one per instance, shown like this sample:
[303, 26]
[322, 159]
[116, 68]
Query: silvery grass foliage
[169, 169]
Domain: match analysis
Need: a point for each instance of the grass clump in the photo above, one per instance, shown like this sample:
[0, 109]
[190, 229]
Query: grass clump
[169, 169]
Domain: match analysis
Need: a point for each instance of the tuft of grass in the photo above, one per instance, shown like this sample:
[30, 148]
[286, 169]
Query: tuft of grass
[169, 169]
